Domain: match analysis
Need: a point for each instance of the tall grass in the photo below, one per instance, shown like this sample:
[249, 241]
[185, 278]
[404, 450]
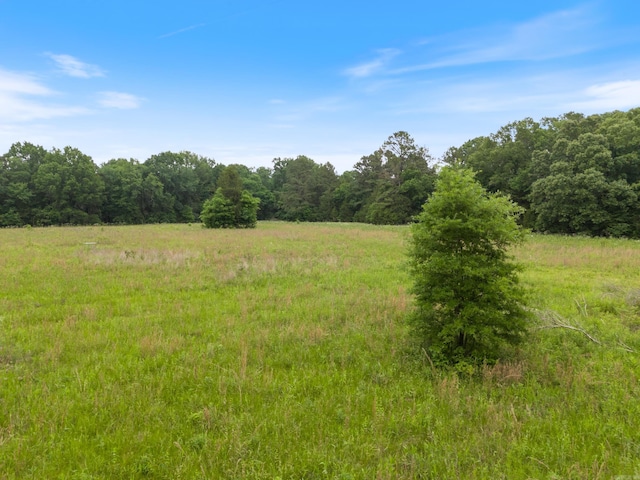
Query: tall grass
[282, 352]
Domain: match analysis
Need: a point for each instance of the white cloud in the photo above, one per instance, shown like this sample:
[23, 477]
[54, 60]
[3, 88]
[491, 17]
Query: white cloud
[610, 96]
[16, 106]
[182, 30]
[123, 101]
[75, 68]
[21, 83]
[369, 68]
[521, 94]
[555, 35]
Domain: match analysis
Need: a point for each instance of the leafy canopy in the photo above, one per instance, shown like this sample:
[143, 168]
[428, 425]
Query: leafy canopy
[469, 303]
[230, 206]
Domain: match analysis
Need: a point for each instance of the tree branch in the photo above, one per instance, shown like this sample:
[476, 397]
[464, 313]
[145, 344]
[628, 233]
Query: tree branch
[554, 320]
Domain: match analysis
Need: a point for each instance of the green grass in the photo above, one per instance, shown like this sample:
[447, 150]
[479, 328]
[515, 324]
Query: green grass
[282, 352]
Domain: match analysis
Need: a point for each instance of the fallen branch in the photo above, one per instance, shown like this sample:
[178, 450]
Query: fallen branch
[626, 347]
[554, 320]
[433, 368]
[551, 319]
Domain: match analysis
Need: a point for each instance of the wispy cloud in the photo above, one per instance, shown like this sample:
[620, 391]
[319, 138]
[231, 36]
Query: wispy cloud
[182, 30]
[610, 96]
[20, 83]
[592, 89]
[75, 68]
[123, 101]
[18, 105]
[374, 66]
[535, 82]
[18, 109]
[556, 35]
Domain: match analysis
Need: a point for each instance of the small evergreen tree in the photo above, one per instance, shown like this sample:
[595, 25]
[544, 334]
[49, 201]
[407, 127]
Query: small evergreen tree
[469, 302]
[230, 206]
[247, 212]
[218, 212]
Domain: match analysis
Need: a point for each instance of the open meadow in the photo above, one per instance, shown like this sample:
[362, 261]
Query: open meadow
[176, 352]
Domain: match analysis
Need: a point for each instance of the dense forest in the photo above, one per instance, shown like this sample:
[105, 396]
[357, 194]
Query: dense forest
[573, 174]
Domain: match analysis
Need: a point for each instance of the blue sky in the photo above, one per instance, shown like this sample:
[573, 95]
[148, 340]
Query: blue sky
[245, 81]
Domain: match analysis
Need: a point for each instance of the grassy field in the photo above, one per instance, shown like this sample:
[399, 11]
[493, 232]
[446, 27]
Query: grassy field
[152, 352]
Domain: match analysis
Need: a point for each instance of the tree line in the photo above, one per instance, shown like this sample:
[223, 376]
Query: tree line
[57, 187]
[572, 174]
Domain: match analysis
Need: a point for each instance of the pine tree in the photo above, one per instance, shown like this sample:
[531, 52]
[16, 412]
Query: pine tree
[469, 302]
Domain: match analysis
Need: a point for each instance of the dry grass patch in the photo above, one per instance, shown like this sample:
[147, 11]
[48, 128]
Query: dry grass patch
[580, 253]
[139, 257]
[156, 343]
[309, 335]
[506, 373]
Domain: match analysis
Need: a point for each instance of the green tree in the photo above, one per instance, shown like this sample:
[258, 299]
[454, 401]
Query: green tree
[16, 192]
[258, 183]
[622, 130]
[572, 174]
[304, 189]
[346, 197]
[231, 206]
[123, 191]
[389, 207]
[218, 212]
[469, 303]
[230, 184]
[585, 202]
[390, 185]
[67, 188]
[156, 205]
[503, 160]
[185, 177]
[18, 200]
[369, 173]
[247, 210]
[585, 189]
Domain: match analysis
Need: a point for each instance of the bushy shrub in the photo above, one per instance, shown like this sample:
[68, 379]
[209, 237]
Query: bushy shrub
[222, 212]
[218, 212]
[469, 302]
